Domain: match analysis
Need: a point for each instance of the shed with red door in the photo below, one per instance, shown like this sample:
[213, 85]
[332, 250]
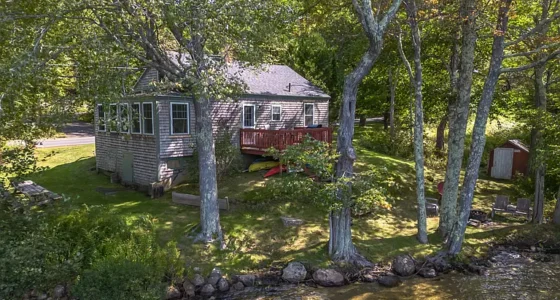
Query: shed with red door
[509, 159]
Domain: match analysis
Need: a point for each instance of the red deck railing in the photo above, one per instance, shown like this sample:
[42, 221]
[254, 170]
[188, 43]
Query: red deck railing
[258, 141]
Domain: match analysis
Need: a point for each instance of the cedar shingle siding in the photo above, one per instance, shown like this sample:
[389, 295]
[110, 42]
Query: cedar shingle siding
[160, 157]
[111, 147]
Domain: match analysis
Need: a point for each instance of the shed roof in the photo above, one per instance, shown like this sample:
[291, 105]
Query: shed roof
[519, 144]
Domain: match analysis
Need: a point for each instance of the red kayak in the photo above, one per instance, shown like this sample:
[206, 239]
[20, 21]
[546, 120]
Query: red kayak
[275, 171]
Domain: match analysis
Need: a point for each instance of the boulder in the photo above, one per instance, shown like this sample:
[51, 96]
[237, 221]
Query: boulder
[189, 288]
[295, 272]
[214, 278]
[223, 285]
[59, 291]
[238, 286]
[172, 293]
[247, 280]
[328, 277]
[42, 297]
[198, 280]
[389, 281]
[404, 265]
[291, 222]
[427, 273]
[207, 290]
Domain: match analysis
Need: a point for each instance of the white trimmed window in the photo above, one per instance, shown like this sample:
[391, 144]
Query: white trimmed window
[276, 112]
[135, 118]
[113, 118]
[180, 118]
[101, 126]
[124, 122]
[249, 112]
[308, 114]
[148, 117]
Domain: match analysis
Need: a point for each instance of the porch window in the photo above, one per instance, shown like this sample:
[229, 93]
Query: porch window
[308, 114]
[113, 118]
[248, 116]
[101, 126]
[124, 122]
[148, 117]
[180, 118]
[276, 112]
[135, 118]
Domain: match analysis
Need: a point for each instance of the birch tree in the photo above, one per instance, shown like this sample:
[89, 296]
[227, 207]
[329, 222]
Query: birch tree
[374, 25]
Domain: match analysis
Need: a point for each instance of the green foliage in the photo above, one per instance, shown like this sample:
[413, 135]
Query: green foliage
[120, 279]
[367, 191]
[380, 141]
[43, 248]
[16, 162]
[228, 157]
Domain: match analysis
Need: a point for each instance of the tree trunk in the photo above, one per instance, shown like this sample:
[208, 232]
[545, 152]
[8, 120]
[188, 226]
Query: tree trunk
[556, 217]
[340, 245]
[209, 209]
[440, 136]
[458, 118]
[457, 233]
[392, 87]
[538, 209]
[363, 120]
[416, 82]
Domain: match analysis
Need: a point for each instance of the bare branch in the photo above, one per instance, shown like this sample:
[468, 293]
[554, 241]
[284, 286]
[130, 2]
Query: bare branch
[536, 63]
[543, 24]
[534, 51]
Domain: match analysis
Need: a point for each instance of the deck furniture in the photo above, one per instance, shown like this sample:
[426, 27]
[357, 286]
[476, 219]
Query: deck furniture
[501, 205]
[524, 208]
[432, 207]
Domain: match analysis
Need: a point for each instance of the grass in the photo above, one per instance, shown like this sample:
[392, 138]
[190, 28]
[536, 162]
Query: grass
[255, 236]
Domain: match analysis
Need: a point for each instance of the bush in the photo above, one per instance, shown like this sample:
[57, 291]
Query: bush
[228, 157]
[41, 249]
[380, 141]
[119, 279]
[366, 193]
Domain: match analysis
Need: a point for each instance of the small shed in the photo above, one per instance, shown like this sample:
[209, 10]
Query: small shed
[510, 158]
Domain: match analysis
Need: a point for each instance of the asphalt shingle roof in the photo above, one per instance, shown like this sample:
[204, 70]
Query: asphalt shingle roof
[267, 79]
[276, 80]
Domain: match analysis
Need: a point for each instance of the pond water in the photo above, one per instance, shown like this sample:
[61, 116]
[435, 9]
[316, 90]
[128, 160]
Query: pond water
[516, 277]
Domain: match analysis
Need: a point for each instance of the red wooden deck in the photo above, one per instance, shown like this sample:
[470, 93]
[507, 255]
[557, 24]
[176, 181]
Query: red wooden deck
[258, 141]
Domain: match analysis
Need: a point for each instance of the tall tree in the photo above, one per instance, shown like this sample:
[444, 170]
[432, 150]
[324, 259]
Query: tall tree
[479, 131]
[416, 83]
[187, 43]
[458, 116]
[374, 25]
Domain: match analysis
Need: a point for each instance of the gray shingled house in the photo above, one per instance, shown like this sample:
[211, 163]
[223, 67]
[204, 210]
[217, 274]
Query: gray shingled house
[144, 138]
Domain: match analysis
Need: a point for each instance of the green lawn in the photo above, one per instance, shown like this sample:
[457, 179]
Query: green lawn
[255, 237]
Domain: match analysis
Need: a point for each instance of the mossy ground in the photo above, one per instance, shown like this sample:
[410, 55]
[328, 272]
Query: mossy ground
[255, 236]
